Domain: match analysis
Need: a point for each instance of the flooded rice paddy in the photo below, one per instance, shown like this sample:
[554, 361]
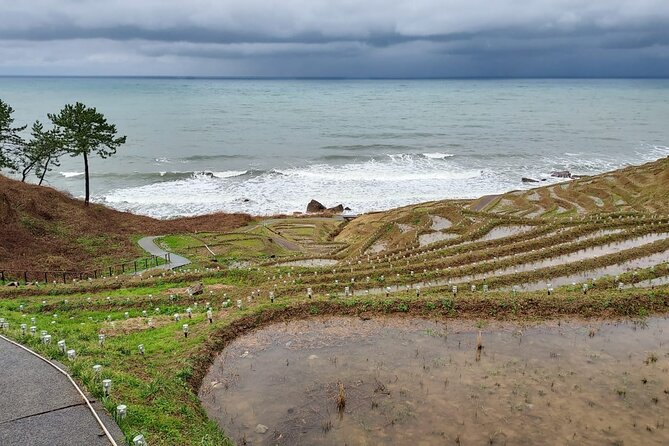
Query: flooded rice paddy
[411, 381]
[310, 263]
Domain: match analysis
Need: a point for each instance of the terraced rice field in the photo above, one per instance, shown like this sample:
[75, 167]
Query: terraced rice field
[592, 247]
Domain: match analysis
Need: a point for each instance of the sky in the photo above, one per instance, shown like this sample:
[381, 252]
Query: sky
[336, 38]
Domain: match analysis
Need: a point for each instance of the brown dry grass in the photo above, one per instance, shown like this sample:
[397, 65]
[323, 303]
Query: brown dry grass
[44, 229]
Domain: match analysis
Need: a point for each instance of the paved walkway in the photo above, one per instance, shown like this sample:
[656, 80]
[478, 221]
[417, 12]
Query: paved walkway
[148, 244]
[39, 405]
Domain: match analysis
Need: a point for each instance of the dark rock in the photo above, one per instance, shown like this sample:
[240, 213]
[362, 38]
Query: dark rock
[195, 290]
[529, 180]
[337, 209]
[347, 208]
[315, 206]
[561, 174]
[246, 200]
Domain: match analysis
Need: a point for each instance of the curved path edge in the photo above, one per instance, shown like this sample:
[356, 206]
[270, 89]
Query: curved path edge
[148, 244]
[46, 406]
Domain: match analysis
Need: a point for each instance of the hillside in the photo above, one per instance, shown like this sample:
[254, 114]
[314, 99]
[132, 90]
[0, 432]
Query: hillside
[44, 229]
[633, 189]
[641, 190]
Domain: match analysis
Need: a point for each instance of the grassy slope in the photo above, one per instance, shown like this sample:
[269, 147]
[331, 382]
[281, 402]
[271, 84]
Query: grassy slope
[43, 229]
[161, 388]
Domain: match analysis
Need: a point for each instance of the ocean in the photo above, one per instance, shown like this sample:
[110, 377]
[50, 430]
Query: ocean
[266, 146]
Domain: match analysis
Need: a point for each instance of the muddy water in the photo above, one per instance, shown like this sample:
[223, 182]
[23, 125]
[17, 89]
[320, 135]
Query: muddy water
[611, 270]
[310, 263]
[505, 231]
[417, 382]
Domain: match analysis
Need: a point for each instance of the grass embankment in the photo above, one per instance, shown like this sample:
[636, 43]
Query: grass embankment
[46, 230]
[160, 387]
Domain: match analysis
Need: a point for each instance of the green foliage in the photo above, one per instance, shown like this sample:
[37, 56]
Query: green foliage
[10, 140]
[447, 304]
[84, 131]
[42, 151]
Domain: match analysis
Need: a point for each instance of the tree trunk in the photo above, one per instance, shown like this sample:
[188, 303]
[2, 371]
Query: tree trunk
[26, 171]
[88, 190]
[45, 168]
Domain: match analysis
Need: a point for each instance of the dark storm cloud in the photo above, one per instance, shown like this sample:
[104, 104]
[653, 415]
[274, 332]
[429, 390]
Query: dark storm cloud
[414, 38]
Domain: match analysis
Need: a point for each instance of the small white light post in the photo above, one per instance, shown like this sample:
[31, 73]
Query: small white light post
[239, 304]
[271, 296]
[101, 340]
[139, 441]
[185, 330]
[189, 312]
[126, 314]
[106, 386]
[61, 346]
[417, 291]
[24, 328]
[310, 293]
[455, 290]
[121, 411]
[585, 288]
[97, 369]
[71, 354]
[46, 339]
[140, 347]
[210, 316]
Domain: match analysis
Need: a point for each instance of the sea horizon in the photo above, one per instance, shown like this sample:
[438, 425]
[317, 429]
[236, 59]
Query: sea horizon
[264, 146]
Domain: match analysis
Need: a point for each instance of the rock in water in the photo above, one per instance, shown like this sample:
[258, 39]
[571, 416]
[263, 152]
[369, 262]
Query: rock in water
[561, 174]
[261, 428]
[529, 180]
[337, 209]
[315, 206]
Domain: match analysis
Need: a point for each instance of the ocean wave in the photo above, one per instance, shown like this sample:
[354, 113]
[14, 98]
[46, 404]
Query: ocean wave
[364, 186]
[438, 155]
[71, 174]
[215, 157]
[230, 173]
[366, 147]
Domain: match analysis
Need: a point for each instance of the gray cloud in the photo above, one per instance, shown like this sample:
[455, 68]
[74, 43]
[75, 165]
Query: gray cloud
[387, 38]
